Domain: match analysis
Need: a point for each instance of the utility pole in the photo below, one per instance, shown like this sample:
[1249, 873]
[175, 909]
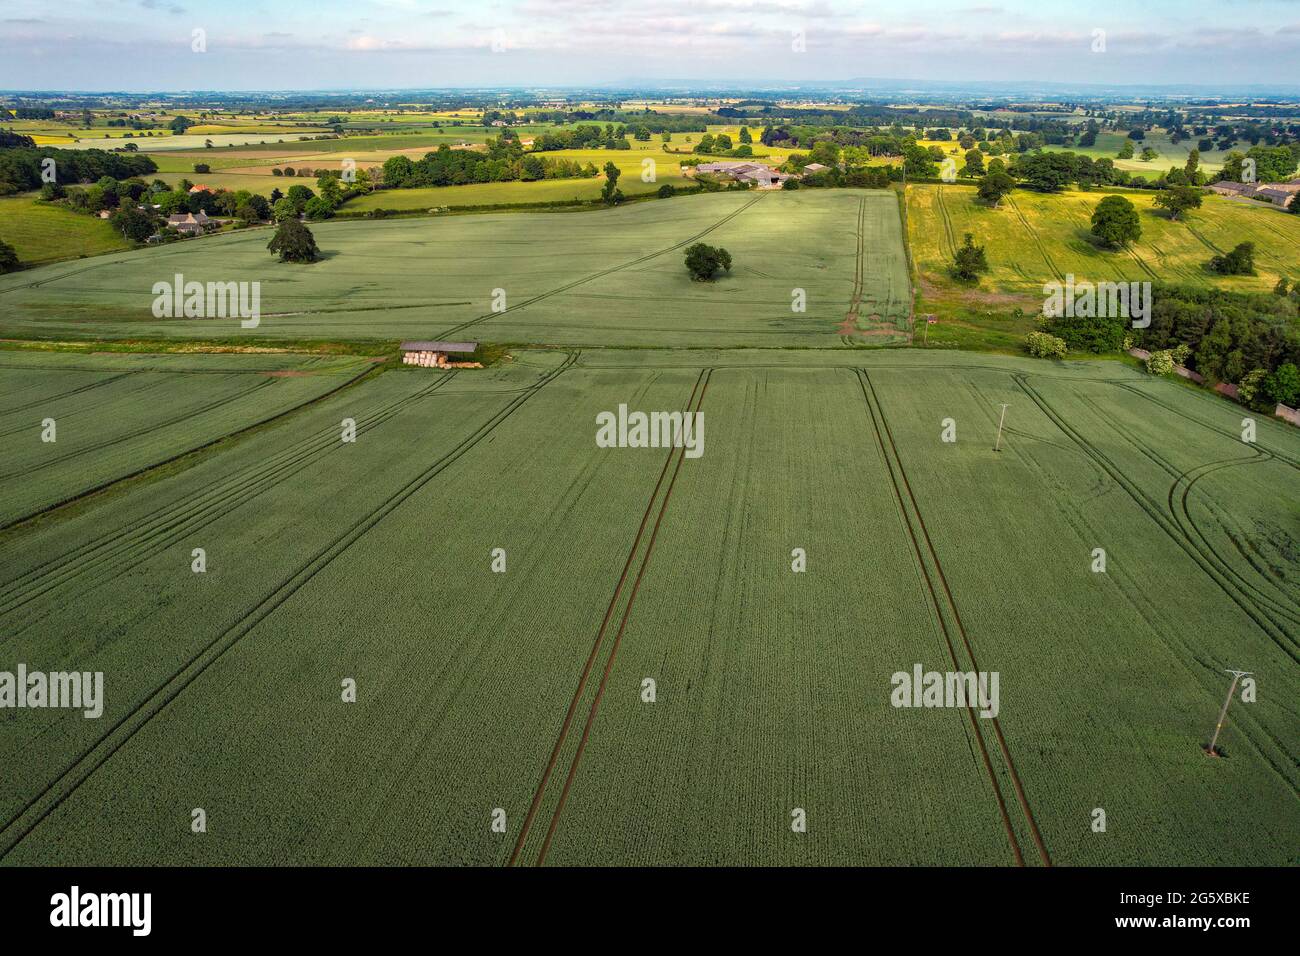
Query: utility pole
[997, 445]
[1236, 676]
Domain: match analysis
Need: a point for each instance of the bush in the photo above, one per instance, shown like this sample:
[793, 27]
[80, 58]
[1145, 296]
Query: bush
[1239, 262]
[8, 258]
[202, 168]
[1160, 363]
[1283, 386]
[704, 261]
[667, 191]
[1043, 345]
[1250, 388]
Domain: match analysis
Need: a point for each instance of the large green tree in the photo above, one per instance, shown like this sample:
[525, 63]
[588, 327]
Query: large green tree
[293, 242]
[969, 261]
[1178, 199]
[132, 223]
[994, 186]
[1115, 222]
[610, 192]
[704, 261]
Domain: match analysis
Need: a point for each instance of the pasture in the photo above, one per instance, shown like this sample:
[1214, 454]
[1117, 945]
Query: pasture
[523, 690]
[606, 277]
[43, 233]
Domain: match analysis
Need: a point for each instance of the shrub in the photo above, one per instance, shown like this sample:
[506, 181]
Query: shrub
[1283, 386]
[1250, 388]
[667, 191]
[8, 258]
[1043, 345]
[1239, 262]
[1161, 363]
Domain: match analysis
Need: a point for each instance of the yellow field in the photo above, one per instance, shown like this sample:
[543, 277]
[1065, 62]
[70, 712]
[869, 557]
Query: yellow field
[1035, 238]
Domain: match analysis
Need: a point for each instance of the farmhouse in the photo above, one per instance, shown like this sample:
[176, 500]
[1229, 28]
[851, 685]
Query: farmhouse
[191, 223]
[815, 168]
[436, 354]
[200, 188]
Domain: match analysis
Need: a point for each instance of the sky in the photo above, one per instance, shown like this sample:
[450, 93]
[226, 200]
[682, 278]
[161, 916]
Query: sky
[146, 45]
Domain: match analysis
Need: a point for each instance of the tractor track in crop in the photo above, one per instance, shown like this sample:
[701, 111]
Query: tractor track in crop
[68, 394]
[855, 298]
[116, 552]
[1033, 234]
[1280, 234]
[618, 639]
[1279, 456]
[83, 409]
[1264, 621]
[700, 387]
[153, 466]
[39, 807]
[894, 462]
[946, 219]
[1288, 610]
[136, 433]
[1286, 616]
[1200, 237]
[456, 330]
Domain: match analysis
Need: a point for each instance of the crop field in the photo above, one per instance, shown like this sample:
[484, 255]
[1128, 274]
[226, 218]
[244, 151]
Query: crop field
[608, 277]
[70, 423]
[1035, 238]
[667, 169]
[522, 690]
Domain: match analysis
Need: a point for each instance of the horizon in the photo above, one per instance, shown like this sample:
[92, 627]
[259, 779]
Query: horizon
[418, 44]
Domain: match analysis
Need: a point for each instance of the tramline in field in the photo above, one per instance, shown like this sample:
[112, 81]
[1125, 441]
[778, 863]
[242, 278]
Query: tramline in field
[523, 690]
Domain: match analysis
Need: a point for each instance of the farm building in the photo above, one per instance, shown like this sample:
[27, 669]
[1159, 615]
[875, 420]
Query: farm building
[1279, 194]
[759, 174]
[190, 223]
[438, 354]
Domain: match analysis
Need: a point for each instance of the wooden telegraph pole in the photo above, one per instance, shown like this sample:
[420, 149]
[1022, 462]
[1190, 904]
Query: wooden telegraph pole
[1236, 676]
